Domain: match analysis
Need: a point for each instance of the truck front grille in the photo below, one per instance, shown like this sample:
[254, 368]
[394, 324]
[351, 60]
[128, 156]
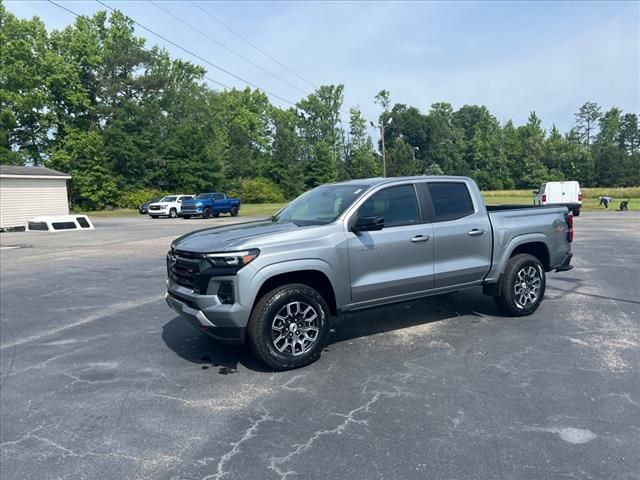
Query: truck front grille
[183, 267]
[154, 207]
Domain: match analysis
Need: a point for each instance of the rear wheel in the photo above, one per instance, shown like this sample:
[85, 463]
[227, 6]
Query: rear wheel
[576, 212]
[173, 213]
[288, 327]
[234, 211]
[523, 286]
[206, 213]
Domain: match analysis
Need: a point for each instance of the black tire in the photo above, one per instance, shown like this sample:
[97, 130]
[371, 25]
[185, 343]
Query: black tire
[275, 309]
[154, 216]
[173, 213]
[516, 299]
[576, 212]
[206, 213]
[215, 214]
[234, 211]
[186, 217]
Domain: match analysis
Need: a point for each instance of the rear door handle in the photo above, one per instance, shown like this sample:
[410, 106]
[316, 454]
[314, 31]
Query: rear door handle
[476, 232]
[420, 238]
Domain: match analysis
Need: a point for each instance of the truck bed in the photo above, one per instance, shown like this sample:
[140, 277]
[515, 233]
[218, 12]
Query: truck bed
[537, 223]
[499, 208]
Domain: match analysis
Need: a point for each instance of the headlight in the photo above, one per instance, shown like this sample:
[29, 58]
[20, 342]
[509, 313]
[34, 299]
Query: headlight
[232, 259]
[198, 204]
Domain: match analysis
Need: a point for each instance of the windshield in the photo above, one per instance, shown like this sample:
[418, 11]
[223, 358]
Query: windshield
[203, 196]
[169, 199]
[319, 206]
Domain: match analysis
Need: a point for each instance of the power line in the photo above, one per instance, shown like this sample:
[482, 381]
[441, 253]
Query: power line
[229, 49]
[146, 50]
[200, 58]
[253, 45]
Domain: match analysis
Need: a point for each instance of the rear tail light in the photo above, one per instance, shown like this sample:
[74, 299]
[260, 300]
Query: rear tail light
[544, 198]
[579, 197]
[570, 224]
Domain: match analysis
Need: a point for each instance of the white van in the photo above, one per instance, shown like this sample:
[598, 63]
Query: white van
[560, 193]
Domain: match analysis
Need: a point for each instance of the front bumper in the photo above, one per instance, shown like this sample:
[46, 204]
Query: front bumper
[223, 322]
[197, 211]
[164, 211]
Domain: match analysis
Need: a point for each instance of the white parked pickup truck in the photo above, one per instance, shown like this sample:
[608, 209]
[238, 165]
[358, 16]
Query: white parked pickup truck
[168, 206]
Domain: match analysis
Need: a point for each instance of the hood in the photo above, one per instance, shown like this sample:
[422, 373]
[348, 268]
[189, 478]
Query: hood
[220, 239]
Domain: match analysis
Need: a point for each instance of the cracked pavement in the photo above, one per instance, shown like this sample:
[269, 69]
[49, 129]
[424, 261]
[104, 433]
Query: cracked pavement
[100, 379]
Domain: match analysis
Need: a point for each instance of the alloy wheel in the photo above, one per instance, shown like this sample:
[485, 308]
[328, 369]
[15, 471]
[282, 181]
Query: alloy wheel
[295, 330]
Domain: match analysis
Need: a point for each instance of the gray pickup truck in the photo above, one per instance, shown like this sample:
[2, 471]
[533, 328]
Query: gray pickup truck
[353, 245]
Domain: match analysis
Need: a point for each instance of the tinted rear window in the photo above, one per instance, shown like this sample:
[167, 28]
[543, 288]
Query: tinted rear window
[38, 226]
[63, 225]
[451, 200]
[83, 222]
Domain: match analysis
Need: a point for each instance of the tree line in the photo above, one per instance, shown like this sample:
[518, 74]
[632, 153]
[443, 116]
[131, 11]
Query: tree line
[127, 121]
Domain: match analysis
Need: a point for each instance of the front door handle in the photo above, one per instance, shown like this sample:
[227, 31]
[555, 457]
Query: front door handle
[420, 238]
[476, 232]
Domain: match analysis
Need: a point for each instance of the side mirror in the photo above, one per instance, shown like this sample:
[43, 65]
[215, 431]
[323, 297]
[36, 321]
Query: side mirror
[368, 224]
[535, 192]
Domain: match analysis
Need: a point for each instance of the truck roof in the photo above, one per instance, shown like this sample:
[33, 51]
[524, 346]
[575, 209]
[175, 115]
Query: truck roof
[380, 180]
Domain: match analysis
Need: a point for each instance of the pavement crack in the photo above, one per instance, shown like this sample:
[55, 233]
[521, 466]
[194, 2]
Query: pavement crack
[235, 447]
[276, 463]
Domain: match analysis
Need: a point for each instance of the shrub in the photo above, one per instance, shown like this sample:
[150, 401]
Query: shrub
[133, 198]
[257, 190]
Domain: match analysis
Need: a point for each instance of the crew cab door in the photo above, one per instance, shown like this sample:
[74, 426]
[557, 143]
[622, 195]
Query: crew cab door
[396, 260]
[462, 234]
[218, 202]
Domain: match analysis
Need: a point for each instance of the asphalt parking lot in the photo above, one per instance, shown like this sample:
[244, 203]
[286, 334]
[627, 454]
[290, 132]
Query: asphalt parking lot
[100, 379]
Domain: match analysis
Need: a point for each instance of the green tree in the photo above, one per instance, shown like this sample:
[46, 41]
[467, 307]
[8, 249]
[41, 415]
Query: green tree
[586, 120]
[25, 63]
[361, 160]
[285, 168]
[82, 156]
[319, 115]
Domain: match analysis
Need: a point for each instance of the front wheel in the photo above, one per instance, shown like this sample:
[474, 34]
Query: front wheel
[216, 214]
[206, 213]
[173, 213]
[234, 211]
[288, 327]
[186, 217]
[154, 216]
[523, 286]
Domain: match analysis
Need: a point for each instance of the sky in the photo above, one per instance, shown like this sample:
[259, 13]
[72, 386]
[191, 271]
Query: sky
[513, 57]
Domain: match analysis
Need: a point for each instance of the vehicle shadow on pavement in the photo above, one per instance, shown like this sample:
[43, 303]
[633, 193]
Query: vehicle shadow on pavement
[414, 313]
[196, 347]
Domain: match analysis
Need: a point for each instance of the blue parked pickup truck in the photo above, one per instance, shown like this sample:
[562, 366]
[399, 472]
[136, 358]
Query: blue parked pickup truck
[210, 205]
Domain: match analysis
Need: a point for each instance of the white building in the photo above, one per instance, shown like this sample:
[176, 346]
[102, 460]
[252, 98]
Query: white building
[27, 192]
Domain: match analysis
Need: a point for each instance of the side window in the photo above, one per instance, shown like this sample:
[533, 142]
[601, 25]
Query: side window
[451, 200]
[217, 196]
[397, 205]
